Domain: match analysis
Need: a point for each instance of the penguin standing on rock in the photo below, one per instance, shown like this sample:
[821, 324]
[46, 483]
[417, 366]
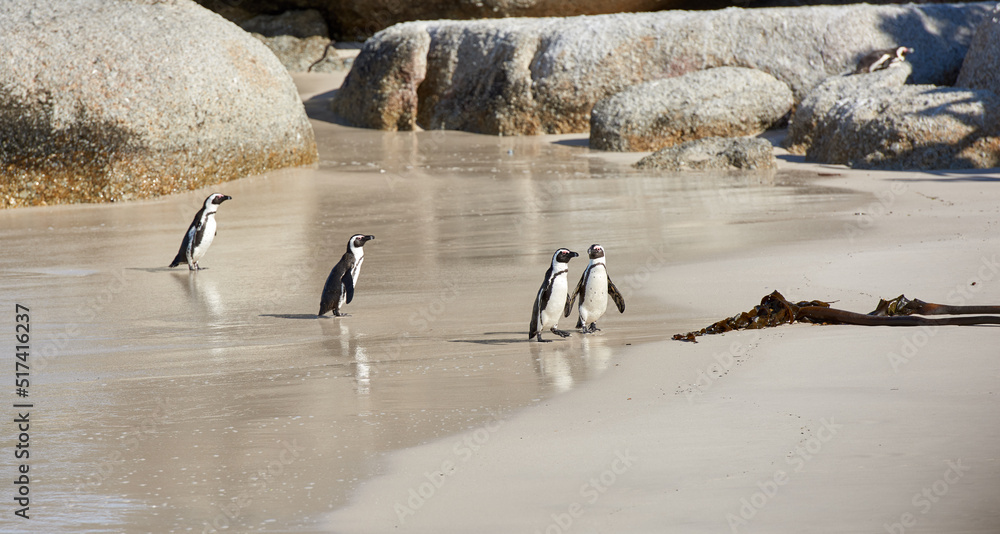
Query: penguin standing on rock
[594, 288]
[551, 296]
[200, 234]
[882, 59]
[339, 288]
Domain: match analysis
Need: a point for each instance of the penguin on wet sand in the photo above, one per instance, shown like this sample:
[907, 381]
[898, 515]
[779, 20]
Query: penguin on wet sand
[200, 234]
[339, 288]
[551, 297]
[882, 59]
[594, 288]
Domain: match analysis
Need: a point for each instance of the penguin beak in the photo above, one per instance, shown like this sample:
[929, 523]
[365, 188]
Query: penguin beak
[573, 254]
[369, 237]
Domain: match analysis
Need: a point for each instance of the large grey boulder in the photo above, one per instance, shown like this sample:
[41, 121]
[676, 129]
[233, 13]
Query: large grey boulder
[533, 76]
[979, 70]
[381, 92]
[112, 100]
[357, 20]
[911, 127]
[723, 102]
[713, 153]
[828, 94]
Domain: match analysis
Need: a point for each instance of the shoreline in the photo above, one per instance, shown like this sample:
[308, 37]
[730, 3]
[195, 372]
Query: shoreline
[217, 400]
[779, 430]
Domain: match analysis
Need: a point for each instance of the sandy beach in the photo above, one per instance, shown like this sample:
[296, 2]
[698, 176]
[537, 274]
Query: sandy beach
[795, 429]
[170, 401]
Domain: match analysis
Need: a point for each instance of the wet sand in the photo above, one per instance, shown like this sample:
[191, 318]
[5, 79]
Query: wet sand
[170, 401]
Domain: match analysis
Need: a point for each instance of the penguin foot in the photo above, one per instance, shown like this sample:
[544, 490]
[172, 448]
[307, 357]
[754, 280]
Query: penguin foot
[338, 314]
[592, 328]
[560, 333]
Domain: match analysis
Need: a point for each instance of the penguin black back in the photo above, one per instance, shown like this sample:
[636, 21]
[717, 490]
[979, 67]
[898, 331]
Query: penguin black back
[340, 284]
[200, 233]
[882, 59]
[551, 296]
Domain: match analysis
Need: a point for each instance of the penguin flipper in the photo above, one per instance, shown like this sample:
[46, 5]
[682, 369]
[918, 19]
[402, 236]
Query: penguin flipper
[348, 282]
[331, 291]
[572, 297]
[616, 296]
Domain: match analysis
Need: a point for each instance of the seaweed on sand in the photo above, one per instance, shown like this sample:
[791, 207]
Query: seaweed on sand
[775, 310]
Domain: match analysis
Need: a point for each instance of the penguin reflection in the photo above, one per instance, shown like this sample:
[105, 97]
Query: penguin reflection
[350, 351]
[561, 367]
[203, 291]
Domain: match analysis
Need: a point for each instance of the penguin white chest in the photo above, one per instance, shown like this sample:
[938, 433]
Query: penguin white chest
[355, 272]
[595, 299]
[549, 315]
[198, 249]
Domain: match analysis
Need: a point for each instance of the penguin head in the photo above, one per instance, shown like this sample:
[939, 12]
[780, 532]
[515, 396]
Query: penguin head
[595, 251]
[358, 240]
[216, 199]
[901, 51]
[563, 256]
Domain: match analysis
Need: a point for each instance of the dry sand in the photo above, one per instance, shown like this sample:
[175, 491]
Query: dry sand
[176, 402]
[795, 429]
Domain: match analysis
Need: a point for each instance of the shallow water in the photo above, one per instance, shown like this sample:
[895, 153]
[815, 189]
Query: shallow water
[170, 401]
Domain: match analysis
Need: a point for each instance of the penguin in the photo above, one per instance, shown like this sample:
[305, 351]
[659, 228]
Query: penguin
[594, 287]
[882, 59]
[551, 296]
[339, 288]
[200, 234]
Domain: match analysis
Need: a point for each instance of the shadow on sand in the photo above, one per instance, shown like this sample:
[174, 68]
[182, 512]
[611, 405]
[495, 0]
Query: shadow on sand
[293, 315]
[499, 341]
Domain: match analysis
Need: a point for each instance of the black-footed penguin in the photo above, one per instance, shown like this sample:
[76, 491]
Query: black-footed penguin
[200, 234]
[882, 59]
[594, 287]
[551, 296]
[339, 288]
